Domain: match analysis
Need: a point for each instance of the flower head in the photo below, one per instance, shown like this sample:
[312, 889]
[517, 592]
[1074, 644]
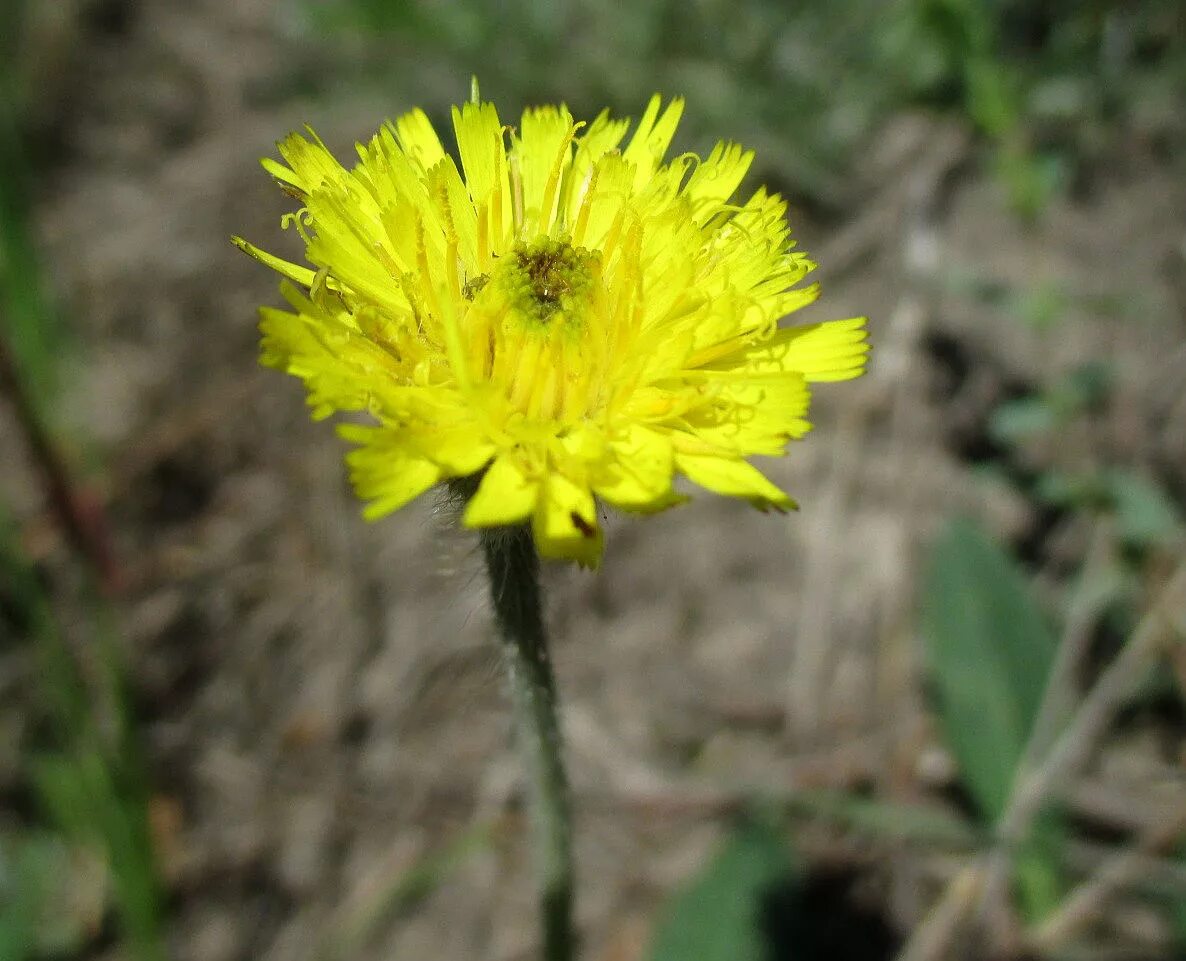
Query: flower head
[570, 319]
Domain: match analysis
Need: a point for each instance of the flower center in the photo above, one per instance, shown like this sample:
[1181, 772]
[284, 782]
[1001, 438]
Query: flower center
[548, 282]
[532, 328]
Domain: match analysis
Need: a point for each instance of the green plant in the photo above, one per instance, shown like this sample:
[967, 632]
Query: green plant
[718, 915]
[87, 775]
[990, 651]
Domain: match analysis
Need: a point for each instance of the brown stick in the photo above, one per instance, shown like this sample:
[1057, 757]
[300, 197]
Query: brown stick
[78, 508]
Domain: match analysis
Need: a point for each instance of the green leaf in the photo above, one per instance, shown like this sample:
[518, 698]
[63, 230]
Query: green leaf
[990, 652]
[1030, 179]
[1037, 873]
[993, 101]
[1176, 908]
[1145, 515]
[1089, 385]
[1063, 489]
[1041, 306]
[51, 896]
[1016, 420]
[22, 895]
[32, 328]
[717, 916]
[95, 805]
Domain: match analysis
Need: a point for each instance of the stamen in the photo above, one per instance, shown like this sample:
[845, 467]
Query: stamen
[302, 220]
[582, 221]
[549, 201]
[483, 235]
[451, 272]
[516, 178]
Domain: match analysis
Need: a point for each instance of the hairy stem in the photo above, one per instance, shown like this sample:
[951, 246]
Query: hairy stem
[514, 588]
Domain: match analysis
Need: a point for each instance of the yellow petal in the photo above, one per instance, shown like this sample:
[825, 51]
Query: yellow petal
[565, 522]
[734, 478]
[302, 275]
[382, 471]
[479, 141]
[454, 208]
[543, 151]
[418, 138]
[833, 350]
[341, 369]
[505, 496]
[348, 243]
[639, 475]
[602, 199]
[753, 414]
[311, 162]
[594, 141]
[721, 172]
[652, 138]
[461, 451]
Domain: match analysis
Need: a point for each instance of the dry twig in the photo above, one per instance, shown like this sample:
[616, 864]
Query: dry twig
[941, 926]
[1114, 687]
[1086, 901]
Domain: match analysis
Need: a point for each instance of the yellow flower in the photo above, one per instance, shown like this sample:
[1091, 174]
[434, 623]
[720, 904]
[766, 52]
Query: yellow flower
[571, 319]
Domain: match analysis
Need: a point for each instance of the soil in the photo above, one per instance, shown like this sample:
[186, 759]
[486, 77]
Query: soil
[320, 698]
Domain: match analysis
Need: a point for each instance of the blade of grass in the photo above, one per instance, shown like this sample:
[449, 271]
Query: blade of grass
[31, 326]
[91, 784]
[401, 890]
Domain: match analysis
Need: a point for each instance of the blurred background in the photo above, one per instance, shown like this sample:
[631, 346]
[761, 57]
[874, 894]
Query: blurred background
[936, 714]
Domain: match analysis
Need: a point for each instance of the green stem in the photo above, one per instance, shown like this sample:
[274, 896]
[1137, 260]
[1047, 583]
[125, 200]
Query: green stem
[514, 589]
